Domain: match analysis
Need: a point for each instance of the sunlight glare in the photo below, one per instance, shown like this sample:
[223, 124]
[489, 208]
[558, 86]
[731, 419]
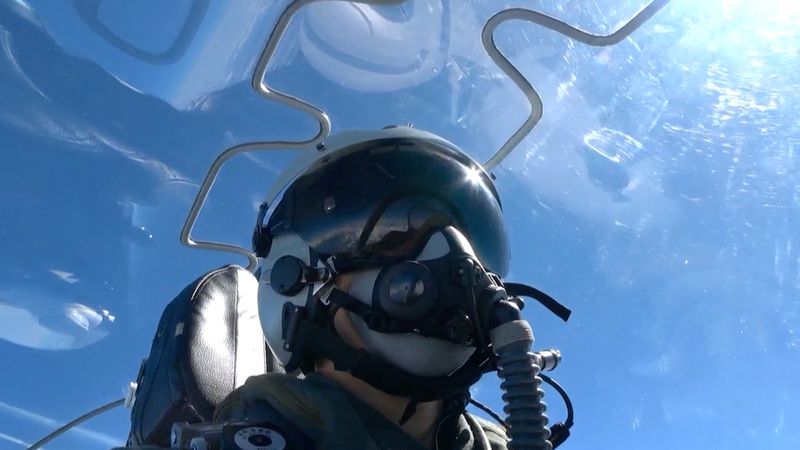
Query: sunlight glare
[474, 175]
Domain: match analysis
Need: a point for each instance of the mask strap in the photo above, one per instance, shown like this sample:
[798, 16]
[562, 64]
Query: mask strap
[375, 320]
[519, 289]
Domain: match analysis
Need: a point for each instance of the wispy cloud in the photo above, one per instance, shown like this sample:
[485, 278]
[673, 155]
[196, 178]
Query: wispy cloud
[60, 126]
[12, 439]
[31, 416]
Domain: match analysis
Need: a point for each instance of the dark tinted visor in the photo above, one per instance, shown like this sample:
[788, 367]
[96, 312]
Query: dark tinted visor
[367, 200]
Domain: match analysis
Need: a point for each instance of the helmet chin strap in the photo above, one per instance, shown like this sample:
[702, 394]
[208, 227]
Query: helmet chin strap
[314, 341]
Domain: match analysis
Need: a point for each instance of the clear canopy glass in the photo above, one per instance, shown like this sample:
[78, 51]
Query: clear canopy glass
[658, 197]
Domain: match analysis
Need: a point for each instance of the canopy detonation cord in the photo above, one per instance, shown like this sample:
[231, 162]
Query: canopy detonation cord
[73, 423]
[260, 85]
[487, 38]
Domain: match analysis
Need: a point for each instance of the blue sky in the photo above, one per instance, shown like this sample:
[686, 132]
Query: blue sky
[658, 197]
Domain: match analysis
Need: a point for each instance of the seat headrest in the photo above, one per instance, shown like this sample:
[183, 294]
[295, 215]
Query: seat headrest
[208, 342]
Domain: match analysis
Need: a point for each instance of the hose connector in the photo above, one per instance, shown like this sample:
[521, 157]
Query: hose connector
[548, 359]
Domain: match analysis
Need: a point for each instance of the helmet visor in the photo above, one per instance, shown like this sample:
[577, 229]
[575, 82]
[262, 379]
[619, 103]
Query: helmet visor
[374, 200]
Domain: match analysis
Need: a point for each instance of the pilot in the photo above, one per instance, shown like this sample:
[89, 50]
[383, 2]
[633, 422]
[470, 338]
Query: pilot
[379, 264]
[381, 293]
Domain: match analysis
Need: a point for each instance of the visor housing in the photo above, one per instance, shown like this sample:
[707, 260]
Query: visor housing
[373, 200]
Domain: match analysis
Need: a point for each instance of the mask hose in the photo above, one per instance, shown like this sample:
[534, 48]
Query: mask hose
[518, 370]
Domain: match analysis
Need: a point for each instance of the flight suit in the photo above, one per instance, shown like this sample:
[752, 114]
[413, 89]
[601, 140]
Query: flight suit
[314, 412]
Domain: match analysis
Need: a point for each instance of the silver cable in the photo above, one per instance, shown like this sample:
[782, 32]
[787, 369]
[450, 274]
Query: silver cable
[75, 422]
[259, 84]
[487, 38]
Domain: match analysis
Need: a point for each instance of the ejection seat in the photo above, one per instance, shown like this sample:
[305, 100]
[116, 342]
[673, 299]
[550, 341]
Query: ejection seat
[208, 342]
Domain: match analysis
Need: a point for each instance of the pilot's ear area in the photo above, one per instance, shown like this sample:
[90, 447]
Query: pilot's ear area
[208, 342]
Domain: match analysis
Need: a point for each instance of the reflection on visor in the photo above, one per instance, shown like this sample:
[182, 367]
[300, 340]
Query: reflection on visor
[403, 227]
[393, 189]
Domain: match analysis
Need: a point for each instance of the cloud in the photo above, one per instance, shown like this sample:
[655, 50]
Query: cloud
[21, 413]
[67, 277]
[12, 439]
[46, 122]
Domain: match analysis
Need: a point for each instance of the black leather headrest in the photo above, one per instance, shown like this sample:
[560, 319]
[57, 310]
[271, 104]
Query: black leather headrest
[208, 342]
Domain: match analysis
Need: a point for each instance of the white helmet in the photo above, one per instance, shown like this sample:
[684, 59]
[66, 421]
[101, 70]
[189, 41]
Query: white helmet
[397, 210]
